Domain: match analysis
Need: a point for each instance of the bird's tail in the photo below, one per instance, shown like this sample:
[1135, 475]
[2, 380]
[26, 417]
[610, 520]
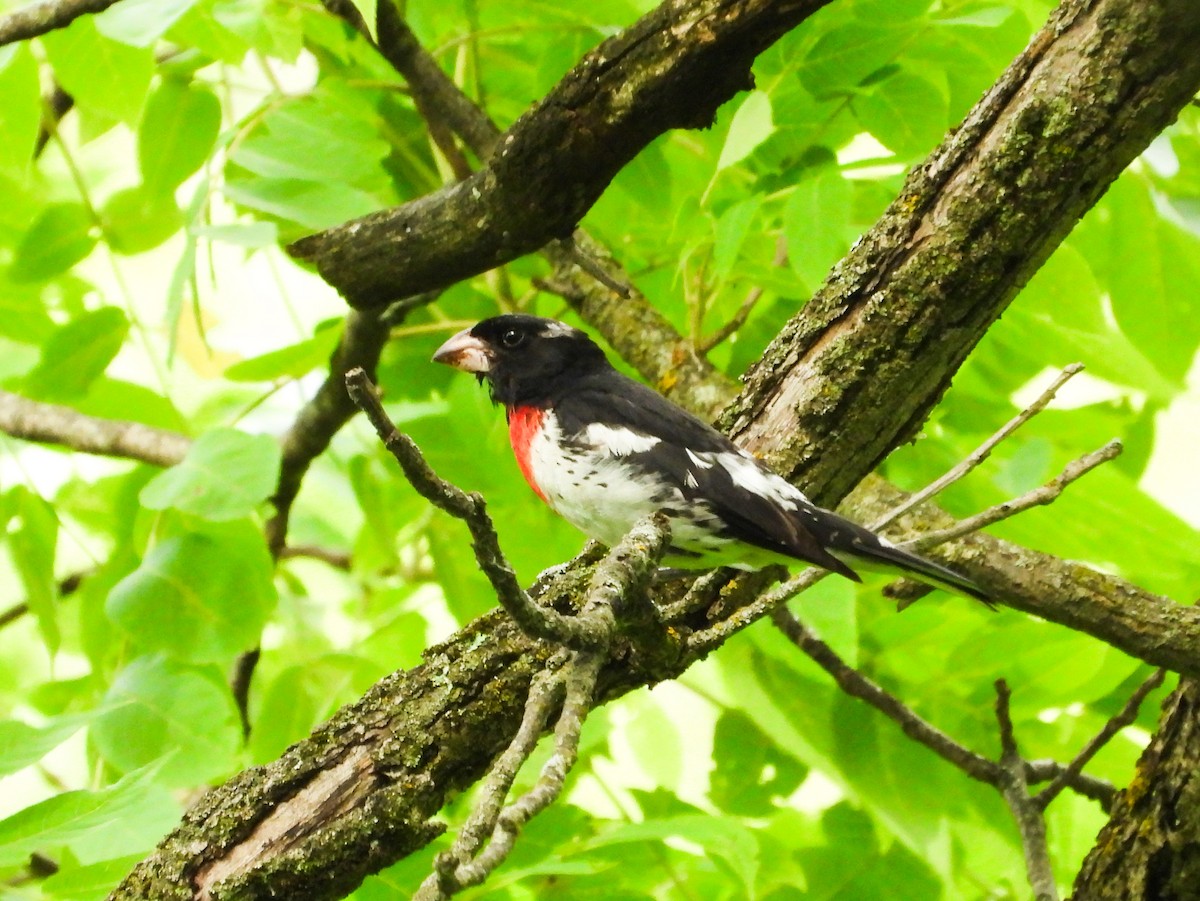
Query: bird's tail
[859, 548]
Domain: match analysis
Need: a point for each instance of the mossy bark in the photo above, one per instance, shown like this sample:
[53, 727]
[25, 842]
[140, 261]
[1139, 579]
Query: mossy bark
[1150, 848]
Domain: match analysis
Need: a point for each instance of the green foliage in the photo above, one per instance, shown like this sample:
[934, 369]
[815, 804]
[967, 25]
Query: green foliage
[142, 279]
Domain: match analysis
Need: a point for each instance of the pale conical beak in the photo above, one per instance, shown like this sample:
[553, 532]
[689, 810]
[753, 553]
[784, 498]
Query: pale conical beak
[466, 352]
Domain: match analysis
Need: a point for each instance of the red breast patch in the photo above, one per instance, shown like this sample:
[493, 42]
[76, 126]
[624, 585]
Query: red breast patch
[523, 426]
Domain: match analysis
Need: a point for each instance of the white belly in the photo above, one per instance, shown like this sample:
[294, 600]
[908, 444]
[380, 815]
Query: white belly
[597, 492]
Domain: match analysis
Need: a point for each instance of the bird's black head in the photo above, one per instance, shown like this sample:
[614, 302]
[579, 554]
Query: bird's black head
[526, 359]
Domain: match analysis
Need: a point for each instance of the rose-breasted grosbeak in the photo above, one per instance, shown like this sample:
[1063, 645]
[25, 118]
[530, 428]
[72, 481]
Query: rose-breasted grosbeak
[603, 451]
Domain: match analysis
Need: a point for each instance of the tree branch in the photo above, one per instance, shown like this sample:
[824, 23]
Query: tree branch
[33, 420]
[1025, 810]
[981, 453]
[671, 69]
[44, 16]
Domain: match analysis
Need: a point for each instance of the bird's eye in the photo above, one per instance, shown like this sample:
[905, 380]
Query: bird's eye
[512, 338]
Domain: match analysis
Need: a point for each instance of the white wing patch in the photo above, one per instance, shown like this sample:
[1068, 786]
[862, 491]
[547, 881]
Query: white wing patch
[620, 442]
[749, 474]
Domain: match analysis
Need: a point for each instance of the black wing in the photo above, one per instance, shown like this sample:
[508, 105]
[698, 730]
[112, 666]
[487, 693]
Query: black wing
[757, 506]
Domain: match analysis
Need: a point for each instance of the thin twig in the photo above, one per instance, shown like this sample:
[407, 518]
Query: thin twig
[700, 595]
[323, 415]
[706, 640]
[984, 450]
[239, 685]
[1099, 790]
[593, 267]
[753, 296]
[857, 685]
[544, 693]
[66, 587]
[1030, 823]
[452, 874]
[1045, 494]
[1123, 718]
[335, 558]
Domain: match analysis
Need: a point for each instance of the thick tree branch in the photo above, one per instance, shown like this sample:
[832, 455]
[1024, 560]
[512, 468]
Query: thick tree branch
[671, 69]
[46, 15]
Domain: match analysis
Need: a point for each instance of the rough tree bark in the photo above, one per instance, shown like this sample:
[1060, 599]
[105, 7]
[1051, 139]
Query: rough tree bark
[856, 373]
[1150, 849]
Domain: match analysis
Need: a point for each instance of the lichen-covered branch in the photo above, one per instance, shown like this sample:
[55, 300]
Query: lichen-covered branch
[972, 224]
[1150, 847]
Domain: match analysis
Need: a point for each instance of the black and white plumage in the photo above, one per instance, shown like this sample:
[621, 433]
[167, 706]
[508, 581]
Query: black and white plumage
[604, 450]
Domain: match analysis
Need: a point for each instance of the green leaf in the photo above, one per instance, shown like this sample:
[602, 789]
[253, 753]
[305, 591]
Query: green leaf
[136, 220]
[242, 234]
[32, 539]
[1150, 266]
[725, 839]
[846, 55]
[140, 23]
[178, 130]
[201, 29]
[103, 75]
[750, 771]
[88, 883]
[198, 596]
[22, 744]
[77, 354]
[314, 205]
[21, 111]
[180, 717]
[127, 817]
[303, 696]
[329, 136]
[289, 362]
[23, 315]
[751, 125]
[1063, 316]
[59, 238]
[816, 221]
[906, 113]
[732, 229]
[892, 11]
[225, 475]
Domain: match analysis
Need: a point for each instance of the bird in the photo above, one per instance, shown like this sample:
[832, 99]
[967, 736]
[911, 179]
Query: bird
[603, 450]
